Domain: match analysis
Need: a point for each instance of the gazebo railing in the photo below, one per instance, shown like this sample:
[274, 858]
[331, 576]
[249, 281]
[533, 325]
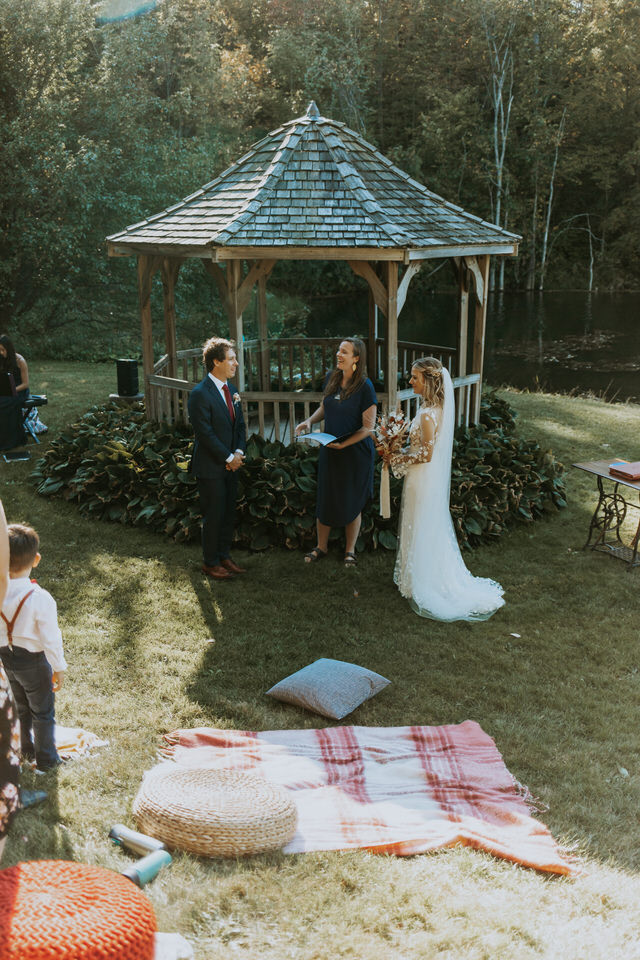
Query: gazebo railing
[292, 363]
[274, 412]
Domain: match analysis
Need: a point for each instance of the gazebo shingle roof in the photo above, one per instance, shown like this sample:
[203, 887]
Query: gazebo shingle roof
[315, 183]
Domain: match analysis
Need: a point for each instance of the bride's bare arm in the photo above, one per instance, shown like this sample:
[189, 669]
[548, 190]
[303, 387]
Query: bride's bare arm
[422, 454]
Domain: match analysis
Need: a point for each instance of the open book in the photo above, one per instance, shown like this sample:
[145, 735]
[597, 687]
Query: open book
[322, 439]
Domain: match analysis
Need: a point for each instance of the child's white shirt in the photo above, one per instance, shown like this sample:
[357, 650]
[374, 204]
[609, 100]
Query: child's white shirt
[36, 628]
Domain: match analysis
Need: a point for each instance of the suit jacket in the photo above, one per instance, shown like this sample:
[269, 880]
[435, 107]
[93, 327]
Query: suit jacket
[215, 435]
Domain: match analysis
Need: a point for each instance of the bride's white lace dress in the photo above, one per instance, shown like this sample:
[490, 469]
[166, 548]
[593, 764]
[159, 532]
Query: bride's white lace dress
[430, 571]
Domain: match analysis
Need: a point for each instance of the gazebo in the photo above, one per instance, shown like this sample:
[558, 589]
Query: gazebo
[312, 190]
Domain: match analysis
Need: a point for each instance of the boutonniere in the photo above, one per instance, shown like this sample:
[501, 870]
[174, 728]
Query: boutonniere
[236, 398]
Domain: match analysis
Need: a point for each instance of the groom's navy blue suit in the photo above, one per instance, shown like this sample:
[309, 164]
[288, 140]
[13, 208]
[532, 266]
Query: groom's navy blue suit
[216, 437]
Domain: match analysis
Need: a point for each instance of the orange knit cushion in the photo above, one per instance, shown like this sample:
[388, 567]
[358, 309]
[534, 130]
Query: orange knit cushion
[55, 909]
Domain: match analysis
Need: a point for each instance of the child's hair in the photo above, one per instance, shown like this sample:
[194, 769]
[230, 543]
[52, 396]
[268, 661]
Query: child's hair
[24, 544]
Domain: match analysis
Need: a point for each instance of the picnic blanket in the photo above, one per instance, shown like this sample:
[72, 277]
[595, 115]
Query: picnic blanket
[73, 742]
[400, 790]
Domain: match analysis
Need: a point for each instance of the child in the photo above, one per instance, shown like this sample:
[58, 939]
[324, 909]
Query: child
[31, 649]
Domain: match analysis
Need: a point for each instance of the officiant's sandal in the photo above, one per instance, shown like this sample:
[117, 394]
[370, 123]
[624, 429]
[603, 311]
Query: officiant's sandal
[314, 555]
[350, 560]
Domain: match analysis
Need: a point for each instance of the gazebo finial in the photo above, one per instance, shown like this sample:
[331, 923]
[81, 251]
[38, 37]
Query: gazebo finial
[312, 111]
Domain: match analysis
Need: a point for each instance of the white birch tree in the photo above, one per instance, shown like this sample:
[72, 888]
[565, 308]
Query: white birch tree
[500, 91]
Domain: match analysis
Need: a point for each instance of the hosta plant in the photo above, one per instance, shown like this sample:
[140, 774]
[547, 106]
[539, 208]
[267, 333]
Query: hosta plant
[118, 466]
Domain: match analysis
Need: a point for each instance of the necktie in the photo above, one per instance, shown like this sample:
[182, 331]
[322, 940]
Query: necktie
[227, 396]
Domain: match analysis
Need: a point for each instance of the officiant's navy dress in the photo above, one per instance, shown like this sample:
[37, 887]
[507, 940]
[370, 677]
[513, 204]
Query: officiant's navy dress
[345, 477]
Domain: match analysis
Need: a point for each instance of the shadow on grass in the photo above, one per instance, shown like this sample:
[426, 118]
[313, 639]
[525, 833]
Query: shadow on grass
[219, 685]
[559, 698]
[39, 828]
[544, 677]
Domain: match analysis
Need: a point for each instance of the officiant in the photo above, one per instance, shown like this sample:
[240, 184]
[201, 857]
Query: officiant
[345, 467]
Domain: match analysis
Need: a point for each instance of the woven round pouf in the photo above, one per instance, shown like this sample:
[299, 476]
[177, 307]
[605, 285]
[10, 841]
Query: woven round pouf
[57, 910]
[214, 813]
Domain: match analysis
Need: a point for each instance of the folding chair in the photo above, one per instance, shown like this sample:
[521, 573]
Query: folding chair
[27, 407]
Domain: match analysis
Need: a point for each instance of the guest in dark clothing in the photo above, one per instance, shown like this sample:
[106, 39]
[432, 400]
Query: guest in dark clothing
[14, 372]
[9, 729]
[345, 468]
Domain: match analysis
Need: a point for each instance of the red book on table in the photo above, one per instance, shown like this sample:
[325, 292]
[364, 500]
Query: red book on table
[625, 471]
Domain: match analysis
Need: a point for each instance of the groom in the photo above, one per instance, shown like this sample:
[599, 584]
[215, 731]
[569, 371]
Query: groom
[218, 453]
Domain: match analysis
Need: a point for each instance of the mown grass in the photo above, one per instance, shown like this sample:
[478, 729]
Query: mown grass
[561, 700]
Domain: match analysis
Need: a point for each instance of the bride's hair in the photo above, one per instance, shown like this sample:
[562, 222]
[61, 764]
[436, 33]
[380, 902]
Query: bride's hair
[431, 370]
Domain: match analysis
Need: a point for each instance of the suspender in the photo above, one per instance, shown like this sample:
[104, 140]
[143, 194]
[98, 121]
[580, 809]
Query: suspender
[11, 623]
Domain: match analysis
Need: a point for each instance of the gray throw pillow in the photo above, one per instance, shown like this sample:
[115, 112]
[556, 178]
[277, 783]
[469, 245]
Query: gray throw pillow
[331, 688]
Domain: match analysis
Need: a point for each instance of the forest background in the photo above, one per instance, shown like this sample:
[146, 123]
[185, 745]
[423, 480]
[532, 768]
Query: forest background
[524, 112]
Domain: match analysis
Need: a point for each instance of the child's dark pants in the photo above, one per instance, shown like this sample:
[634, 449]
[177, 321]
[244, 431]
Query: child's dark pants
[30, 677]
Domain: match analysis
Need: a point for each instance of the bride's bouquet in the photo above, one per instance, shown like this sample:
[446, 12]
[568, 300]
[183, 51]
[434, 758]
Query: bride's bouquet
[389, 438]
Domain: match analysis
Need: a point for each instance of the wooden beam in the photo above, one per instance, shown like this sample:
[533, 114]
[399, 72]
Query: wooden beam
[509, 249]
[377, 287]
[182, 251]
[479, 335]
[308, 253]
[170, 270]
[472, 265]
[372, 348]
[235, 293]
[391, 373]
[234, 281]
[463, 321]
[463, 332]
[263, 334]
[147, 266]
[131, 248]
[221, 282]
[126, 248]
[261, 268]
[409, 274]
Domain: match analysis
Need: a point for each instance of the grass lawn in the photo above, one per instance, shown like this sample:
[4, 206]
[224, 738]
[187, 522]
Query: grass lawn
[561, 700]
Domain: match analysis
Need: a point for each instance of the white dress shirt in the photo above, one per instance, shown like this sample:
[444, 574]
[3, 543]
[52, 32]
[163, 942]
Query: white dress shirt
[36, 628]
[221, 384]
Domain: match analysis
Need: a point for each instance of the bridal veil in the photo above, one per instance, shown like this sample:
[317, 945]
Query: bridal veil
[430, 571]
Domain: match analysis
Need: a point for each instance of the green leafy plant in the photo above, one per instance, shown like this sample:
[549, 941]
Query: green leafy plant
[118, 466]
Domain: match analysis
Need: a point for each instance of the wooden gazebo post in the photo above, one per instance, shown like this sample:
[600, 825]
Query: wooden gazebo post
[479, 331]
[147, 266]
[463, 332]
[263, 334]
[170, 270]
[471, 272]
[391, 373]
[236, 309]
[235, 292]
[372, 347]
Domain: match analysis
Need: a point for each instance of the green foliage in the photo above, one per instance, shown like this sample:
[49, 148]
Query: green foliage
[103, 124]
[117, 466]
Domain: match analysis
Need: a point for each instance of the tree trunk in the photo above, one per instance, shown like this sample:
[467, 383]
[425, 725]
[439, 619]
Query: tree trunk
[501, 95]
[531, 269]
[545, 236]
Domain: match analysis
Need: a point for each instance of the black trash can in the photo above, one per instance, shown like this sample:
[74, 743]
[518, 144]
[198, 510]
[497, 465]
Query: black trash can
[127, 371]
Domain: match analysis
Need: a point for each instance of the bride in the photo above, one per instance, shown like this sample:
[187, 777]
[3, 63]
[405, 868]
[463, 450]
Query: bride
[430, 571]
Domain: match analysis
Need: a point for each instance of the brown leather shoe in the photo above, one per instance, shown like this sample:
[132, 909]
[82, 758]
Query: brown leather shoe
[217, 573]
[232, 566]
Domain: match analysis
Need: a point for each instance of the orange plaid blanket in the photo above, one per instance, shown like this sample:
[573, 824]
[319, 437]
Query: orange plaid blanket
[400, 790]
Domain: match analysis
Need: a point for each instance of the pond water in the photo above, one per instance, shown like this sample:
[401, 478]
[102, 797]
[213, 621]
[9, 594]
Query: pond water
[560, 342]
